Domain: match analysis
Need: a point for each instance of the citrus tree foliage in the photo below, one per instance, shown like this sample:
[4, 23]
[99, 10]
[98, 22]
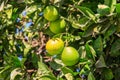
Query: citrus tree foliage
[92, 27]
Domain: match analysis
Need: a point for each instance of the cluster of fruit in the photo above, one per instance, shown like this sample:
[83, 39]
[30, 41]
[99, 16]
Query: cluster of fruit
[69, 55]
[51, 14]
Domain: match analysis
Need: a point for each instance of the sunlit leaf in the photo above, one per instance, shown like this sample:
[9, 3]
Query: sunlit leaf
[9, 13]
[103, 10]
[31, 9]
[82, 52]
[43, 70]
[87, 12]
[118, 8]
[69, 76]
[66, 70]
[58, 61]
[47, 77]
[85, 69]
[84, 61]
[26, 50]
[82, 24]
[91, 76]
[14, 73]
[2, 6]
[111, 4]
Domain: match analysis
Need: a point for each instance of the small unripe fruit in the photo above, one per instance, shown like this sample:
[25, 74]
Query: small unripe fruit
[70, 56]
[51, 13]
[54, 46]
[58, 26]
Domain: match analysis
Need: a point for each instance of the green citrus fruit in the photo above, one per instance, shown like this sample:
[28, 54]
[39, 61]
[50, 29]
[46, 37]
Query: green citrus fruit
[54, 46]
[57, 26]
[51, 13]
[70, 56]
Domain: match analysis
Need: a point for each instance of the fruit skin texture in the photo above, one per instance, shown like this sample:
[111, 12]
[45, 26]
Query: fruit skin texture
[58, 26]
[50, 13]
[55, 46]
[70, 56]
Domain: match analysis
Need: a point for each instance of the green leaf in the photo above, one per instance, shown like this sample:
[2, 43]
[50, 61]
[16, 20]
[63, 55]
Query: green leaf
[43, 67]
[84, 61]
[69, 76]
[91, 76]
[20, 1]
[29, 1]
[16, 62]
[82, 52]
[117, 74]
[5, 75]
[14, 73]
[107, 74]
[100, 62]
[118, 7]
[31, 9]
[105, 27]
[9, 11]
[85, 69]
[66, 70]
[22, 62]
[90, 51]
[82, 24]
[2, 6]
[55, 66]
[27, 48]
[58, 61]
[110, 31]
[103, 10]
[107, 2]
[1, 47]
[89, 30]
[111, 4]
[115, 49]
[43, 71]
[35, 59]
[89, 55]
[45, 1]
[5, 68]
[98, 44]
[47, 77]
[87, 12]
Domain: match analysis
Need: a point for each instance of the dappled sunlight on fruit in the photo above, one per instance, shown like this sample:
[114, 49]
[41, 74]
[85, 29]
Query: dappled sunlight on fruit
[59, 39]
[54, 46]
